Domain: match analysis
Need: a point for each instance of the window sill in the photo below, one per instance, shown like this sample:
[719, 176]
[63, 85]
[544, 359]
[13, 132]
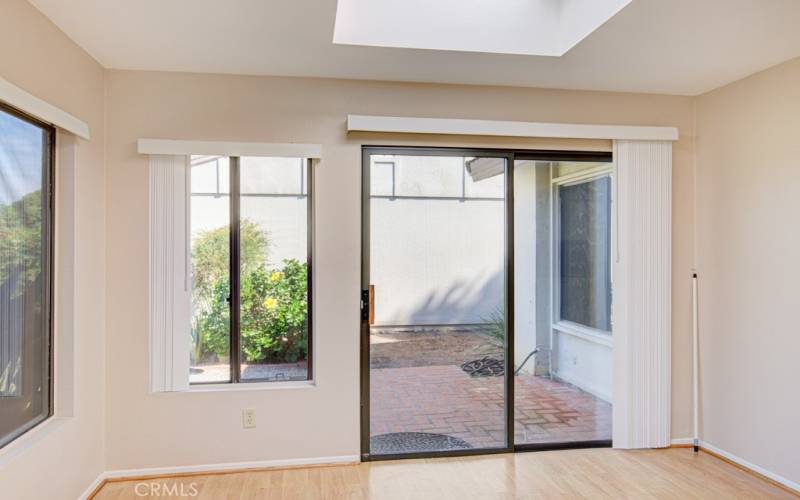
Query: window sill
[584, 332]
[252, 386]
[29, 439]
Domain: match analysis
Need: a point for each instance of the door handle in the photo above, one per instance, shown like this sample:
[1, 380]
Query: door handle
[365, 305]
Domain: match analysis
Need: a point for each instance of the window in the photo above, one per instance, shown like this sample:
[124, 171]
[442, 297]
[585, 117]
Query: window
[251, 269]
[26, 162]
[584, 230]
[437, 177]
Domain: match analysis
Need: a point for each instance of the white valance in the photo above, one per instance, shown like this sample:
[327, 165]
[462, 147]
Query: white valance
[457, 126]
[218, 148]
[32, 105]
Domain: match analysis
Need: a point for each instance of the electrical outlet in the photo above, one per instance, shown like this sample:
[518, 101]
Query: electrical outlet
[248, 418]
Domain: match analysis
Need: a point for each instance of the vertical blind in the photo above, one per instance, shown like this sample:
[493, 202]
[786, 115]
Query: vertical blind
[170, 290]
[642, 294]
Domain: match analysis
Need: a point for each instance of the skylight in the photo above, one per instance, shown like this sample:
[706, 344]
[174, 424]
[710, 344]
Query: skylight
[529, 27]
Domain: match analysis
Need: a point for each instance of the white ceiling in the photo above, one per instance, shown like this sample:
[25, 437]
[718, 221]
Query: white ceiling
[665, 46]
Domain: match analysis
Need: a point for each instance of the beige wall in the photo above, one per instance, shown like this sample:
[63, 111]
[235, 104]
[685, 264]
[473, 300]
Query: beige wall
[146, 430]
[748, 242]
[60, 461]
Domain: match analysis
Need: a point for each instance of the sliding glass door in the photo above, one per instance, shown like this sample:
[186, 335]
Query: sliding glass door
[486, 299]
[563, 334]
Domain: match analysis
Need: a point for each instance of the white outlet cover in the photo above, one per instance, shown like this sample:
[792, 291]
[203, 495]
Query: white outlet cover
[248, 418]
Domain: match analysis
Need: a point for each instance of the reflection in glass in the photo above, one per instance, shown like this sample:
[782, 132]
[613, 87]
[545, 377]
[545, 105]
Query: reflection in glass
[24, 275]
[585, 245]
[210, 233]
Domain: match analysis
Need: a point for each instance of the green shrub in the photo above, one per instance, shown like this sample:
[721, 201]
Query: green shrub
[274, 313]
[21, 239]
[274, 301]
[496, 326]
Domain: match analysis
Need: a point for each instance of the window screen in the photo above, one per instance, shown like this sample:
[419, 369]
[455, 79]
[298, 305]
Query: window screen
[585, 247]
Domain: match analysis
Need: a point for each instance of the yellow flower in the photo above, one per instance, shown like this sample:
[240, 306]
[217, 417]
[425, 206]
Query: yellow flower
[275, 276]
[271, 303]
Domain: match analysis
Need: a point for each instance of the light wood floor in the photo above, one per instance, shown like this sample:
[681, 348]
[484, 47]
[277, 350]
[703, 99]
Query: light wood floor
[594, 473]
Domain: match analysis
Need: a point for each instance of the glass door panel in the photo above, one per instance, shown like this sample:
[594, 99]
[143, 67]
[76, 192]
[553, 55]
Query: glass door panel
[435, 280]
[562, 298]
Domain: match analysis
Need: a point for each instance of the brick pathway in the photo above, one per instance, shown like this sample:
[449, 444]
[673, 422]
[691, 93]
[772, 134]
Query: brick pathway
[443, 399]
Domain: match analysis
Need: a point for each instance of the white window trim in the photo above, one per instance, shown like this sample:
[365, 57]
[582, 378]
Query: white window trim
[584, 332]
[254, 386]
[64, 248]
[43, 110]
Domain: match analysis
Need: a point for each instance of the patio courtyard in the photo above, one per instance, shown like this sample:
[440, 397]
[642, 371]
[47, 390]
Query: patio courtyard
[423, 400]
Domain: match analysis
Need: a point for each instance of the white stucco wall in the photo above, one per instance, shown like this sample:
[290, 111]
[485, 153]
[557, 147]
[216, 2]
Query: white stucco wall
[437, 247]
[525, 272]
[274, 195]
[584, 363]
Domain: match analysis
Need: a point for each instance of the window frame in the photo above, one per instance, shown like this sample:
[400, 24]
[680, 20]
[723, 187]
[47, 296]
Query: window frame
[234, 269]
[48, 253]
[558, 324]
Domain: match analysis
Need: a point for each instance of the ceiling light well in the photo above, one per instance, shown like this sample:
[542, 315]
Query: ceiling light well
[526, 27]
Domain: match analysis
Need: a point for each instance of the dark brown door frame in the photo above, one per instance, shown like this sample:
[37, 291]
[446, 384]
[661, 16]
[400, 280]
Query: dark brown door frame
[511, 156]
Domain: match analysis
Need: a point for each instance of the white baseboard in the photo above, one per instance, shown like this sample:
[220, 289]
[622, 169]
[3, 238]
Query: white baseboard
[93, 486]
[744, 463]
[229, 466]
[753, 467]
[260, 464]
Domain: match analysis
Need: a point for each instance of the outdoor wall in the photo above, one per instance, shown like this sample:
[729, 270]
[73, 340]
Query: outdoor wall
[437, 262]
[529, 329]
[274, 197]
[437, 253]
[580, 361]
[748, 179]
[153, 430]
[60, 458]
[584, 363]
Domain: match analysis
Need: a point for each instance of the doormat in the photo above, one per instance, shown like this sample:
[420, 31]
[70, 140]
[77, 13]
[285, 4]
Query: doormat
[485, 367]
[409, 442]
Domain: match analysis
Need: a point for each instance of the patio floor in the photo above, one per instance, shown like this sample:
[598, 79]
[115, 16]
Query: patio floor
[417, 389]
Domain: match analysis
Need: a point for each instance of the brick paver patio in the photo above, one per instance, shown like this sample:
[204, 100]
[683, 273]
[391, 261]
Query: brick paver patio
[440, 398]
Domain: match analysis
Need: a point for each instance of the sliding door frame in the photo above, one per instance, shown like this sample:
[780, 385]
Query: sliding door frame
[510, 156]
